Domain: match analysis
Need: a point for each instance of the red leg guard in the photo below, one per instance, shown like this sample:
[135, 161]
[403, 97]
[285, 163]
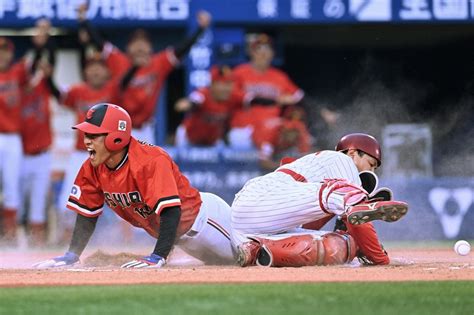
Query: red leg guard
[293, 251]
[306, 250]
[340, 248]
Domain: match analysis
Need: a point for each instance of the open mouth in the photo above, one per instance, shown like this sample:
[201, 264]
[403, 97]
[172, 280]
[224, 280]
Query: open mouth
[91, 153]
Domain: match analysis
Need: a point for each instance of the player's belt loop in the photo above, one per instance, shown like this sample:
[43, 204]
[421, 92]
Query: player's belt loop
[296, 176]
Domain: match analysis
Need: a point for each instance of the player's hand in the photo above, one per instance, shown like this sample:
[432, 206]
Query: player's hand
[67, 259]
[82, 12]
[286, 99]
[182, 105]
[204, 19]
[152, 261]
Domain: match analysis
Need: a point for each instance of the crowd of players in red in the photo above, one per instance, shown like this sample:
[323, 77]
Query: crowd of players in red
[252, 106]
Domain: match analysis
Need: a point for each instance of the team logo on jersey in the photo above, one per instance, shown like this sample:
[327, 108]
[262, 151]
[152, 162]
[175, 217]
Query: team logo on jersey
[76, 191]
[122, 125]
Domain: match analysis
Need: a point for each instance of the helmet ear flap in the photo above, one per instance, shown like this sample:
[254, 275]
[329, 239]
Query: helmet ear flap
[115, 141]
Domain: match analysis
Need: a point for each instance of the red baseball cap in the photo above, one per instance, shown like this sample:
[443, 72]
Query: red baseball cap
[222, 73]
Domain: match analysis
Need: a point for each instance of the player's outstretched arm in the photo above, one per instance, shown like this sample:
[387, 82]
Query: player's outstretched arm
[169, 221]
[204, 20]
[83, 231]
[67, 259]
[87, 33]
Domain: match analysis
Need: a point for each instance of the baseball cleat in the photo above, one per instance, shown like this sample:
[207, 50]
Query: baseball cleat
[247, 253]
[388, 211]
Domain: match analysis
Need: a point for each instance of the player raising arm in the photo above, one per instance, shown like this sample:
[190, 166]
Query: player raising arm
[13, 78]
[142, 184]
[147, 70]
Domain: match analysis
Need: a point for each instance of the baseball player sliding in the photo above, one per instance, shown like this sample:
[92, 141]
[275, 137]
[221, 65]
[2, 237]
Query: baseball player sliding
[142, 184]
[308, 192]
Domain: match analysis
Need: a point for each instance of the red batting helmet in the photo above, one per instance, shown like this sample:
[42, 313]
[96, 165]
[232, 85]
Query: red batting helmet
[222, 73]
[109, 119]
[362, 142]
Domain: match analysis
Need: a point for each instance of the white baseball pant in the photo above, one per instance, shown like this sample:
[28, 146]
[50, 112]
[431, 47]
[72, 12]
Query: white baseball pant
[36, 180]
[209, 238]
[11, 151]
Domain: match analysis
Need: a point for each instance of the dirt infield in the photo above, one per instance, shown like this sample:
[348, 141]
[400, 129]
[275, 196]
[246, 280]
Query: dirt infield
[433, 264]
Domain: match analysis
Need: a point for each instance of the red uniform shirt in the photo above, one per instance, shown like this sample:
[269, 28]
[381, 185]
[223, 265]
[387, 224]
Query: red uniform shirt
[35, 119]
[116, 61]
[268, 138]
[11, 83]
[208, 122]
[81, 97]
[143, 91]
[270, 84]
[142, 185]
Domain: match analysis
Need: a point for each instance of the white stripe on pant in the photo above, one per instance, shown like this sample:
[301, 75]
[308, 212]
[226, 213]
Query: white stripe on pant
[208, 239]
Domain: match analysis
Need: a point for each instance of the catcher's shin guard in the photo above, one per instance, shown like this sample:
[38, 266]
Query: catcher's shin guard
[388, 211]
[307, 250]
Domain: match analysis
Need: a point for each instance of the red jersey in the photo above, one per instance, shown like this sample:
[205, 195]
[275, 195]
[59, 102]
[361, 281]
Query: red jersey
[35, 119]
[142, 93]
[269, 137]
[138, 189]
[270, 84]
[116, 61]
[11, 83]
[208, 122]
[81, 97]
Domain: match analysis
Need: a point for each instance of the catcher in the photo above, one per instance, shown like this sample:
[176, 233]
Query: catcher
[309, 192]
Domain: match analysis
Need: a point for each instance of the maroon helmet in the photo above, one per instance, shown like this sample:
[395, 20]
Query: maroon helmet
[363, 142]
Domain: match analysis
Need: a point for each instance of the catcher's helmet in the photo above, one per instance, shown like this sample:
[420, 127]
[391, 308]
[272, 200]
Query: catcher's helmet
[109, 119]
[362, 142]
